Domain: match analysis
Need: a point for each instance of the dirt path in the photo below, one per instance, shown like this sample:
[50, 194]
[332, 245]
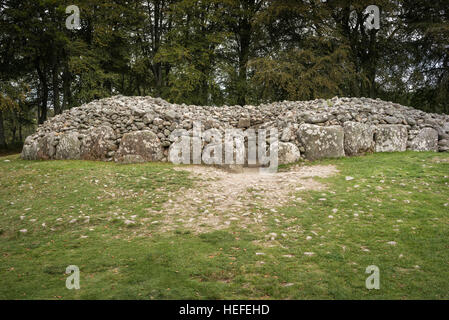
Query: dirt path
[220, 197]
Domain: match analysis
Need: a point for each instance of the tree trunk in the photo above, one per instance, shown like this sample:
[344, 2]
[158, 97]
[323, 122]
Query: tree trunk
[43, 113]
[2, 132]
[373, 60]
[157, 67]
[244, 43]
[42, 109]
[66, 103]
[13, 130]
[56, 103]
[157, 72]
[20, 132]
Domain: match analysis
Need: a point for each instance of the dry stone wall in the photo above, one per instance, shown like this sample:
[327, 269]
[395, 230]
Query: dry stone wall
[139, 129]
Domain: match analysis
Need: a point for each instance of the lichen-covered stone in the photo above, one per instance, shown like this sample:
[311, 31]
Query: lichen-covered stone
[391, 138]
[322, 142]
[98, 143]
[139, 146]
[359, 138]
[425, 140]
[288, 153]
[29, 151]
[69, 147]
[46, 148]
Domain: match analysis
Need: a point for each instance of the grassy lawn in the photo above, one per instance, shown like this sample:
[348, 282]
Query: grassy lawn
[103, 217]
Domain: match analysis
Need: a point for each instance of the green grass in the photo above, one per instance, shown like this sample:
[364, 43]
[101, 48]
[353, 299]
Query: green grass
[399, 197]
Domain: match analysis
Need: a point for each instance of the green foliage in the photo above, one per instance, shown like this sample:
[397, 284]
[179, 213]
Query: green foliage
[223, 52]
[302, 74]
[191, 50]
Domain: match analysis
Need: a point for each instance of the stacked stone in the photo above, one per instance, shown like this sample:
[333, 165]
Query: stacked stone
[138, 129]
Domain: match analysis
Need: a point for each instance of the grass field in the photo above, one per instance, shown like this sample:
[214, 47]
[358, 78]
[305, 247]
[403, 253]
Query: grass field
[103, 217]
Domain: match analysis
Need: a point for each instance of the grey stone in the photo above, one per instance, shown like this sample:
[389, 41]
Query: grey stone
[69, 147]
[322, 142]
[148, 118]
[446, 126]
[426, 140]
[287, 134]
[98, 143]
[143, 145]
[392, 120]
[29, 151]
[244, 123]
[411, 121]
[359, 138]
[317, 118]
[390, 138]
[288, 153]
[170, 115]
[46, 149]
[443, 145]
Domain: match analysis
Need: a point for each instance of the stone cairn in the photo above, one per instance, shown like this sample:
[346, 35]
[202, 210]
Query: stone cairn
[138, 129]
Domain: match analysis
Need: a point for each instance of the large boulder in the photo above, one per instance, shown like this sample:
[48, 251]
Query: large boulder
[359, 138]
[288, 153]
[46, 148]
[139, 146]
[29, 151]
[321, 142]
[98, 144]
[425, 140]
[69, 147]
[390, 138]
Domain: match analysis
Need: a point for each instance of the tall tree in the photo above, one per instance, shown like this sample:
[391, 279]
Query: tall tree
[245, 38]
[192, 49]
[304, 60]
[426, 26]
